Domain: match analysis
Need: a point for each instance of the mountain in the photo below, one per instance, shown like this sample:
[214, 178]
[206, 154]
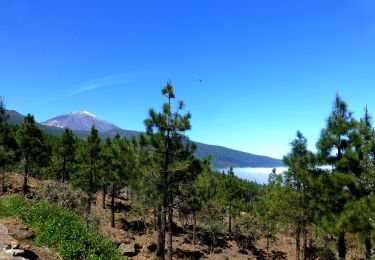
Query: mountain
[80, 120]
[16, 118]
[221, 157]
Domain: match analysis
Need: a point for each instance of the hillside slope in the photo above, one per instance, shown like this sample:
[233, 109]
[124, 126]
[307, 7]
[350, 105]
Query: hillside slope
[223, 157]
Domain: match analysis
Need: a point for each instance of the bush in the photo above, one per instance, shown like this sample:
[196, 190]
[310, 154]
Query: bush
[245, 231]
[63, 195]
[60, 229]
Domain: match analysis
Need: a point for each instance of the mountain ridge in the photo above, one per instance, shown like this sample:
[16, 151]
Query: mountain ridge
[221, 157]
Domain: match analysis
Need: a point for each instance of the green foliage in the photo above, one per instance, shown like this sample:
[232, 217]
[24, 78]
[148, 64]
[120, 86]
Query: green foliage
[269, 206]
[88, 174]
[246, 230]
[66, 151]
[33, 147]
[171, 155]
[31, 141]
[60, 229]
[9, 154]
[8, 143]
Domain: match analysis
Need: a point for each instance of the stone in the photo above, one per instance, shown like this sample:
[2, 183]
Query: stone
[4, 246]
[152, 247]
[21, 233]
[14, 244]
[14, 252]
[123, 194]
[129, 249]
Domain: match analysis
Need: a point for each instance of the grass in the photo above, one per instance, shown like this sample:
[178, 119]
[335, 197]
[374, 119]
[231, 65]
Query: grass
[60, 229]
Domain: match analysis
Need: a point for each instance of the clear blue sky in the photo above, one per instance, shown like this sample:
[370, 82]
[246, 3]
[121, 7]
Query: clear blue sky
[267, 68]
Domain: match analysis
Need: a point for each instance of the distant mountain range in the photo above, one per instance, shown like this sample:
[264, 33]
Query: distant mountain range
[80, 122]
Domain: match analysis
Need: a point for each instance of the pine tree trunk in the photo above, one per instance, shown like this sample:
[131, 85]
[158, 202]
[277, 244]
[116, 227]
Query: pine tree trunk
[268, 244]
[194, 226]
[298, 241]
[2, 182]
[305, 242]
[63, 170]
[90, 192]
[230, 220]
[155, 219]
[368, 247]
[113, 206]
[25, 176]
[342, 246]
[170, 233]
[89, 203]
[161, 233]
[104, 194]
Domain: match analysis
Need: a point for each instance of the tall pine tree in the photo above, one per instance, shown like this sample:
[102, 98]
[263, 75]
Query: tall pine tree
[172, 150]
[88, 176]
[67, 150]
[336, 148]
[8, 145]
[31, 144]
[300, 164]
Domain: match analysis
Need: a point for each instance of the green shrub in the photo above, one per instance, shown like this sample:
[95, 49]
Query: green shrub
[60, 229]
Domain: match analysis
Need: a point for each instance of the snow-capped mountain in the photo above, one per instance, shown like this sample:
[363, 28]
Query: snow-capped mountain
[80, 120]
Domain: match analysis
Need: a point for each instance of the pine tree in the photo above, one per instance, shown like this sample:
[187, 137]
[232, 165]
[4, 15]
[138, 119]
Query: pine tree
[172, 150]
[268, 207]
[31, 144]
[300, 164]
[106, 168]
[8, 144]
[363, 212]
[115, 165]
[67, 150]
[337, 148]
[231, 196]
[88, 177]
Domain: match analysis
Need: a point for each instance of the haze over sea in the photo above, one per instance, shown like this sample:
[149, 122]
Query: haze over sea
[258, 175]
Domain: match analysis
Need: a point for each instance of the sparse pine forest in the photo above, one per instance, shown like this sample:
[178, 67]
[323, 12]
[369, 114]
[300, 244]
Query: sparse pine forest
[323, 204]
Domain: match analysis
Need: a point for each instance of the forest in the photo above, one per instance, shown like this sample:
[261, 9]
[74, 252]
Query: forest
[324, 201]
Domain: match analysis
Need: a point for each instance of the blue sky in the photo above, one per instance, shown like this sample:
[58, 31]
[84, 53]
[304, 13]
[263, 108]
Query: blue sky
[251, 72]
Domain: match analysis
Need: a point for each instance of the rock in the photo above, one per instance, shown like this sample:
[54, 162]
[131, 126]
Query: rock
[21, 232]
[152, 248]
[14, 244]
[4, 246]
[177, 230]
[15, 252]
[129, 249]
[123, 194]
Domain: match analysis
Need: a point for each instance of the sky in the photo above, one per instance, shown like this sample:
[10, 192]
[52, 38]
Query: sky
[251, 72]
